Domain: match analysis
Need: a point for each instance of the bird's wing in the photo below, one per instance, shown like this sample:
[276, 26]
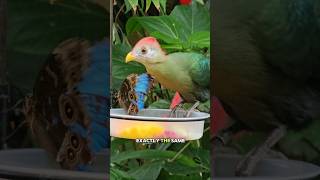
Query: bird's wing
[200, 70]
[192, 70]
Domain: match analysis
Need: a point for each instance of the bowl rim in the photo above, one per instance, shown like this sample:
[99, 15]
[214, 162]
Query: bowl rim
[159, 119]
[17, 170]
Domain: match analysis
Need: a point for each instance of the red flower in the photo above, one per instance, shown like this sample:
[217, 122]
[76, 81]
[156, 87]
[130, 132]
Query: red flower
[185, 2]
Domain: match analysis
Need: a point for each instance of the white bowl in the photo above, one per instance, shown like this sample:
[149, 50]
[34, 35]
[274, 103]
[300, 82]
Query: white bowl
[38, 164]
[156, 123]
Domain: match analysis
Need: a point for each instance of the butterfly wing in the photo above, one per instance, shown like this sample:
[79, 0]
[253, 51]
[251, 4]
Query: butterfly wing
[68, 111]
[133, 91]
[126, 93]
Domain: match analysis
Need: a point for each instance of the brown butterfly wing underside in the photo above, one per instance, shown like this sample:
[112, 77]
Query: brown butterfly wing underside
[49, 110]
[127, 95]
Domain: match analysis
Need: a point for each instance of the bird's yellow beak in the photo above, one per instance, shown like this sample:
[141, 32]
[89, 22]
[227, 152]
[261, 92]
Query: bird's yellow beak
[129, 57]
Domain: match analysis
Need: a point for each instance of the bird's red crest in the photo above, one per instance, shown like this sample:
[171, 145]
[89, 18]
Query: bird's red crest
[148, 41]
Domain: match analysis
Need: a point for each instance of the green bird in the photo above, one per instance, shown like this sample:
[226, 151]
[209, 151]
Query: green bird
[187, 73]
[267, 60]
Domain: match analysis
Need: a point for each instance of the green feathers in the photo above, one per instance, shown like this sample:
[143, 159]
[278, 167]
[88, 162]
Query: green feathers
[200, 70]
[186, 73]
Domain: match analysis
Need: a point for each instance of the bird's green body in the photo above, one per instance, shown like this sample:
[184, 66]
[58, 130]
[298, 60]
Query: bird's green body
[267, 59]
[186, 73]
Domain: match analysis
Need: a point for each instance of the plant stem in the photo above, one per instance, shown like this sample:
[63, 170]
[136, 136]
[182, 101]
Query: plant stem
[118, 13]
[207, 129]
[184, 147]
[141, 11]
[179, 152]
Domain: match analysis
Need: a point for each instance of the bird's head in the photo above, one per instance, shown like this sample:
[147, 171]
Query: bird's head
[147, 51]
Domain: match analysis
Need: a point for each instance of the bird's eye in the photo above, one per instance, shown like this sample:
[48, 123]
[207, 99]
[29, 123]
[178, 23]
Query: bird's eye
[143, 50]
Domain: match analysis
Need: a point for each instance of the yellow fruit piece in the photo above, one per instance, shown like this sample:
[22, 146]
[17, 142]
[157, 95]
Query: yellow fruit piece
[142, 131]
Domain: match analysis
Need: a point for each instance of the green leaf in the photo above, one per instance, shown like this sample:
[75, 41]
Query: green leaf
[153, 154]
[160, 104]
[311, 133]
[204, 107]
[163, 4]
[120, 69]
[161, 27]
[305, 141]
[148, 3]
[180, 177]
[178, 169]
[148, 171]
[116, 144]
[117, 174]
[36, 27]
[156, 4]
[200, 39]
[172, 47]
[199, 155]
[193, 18]
[131, 4]
[301, 150]
[164, 146]
[116, 34]
[206, 136]
[202, 157]
[187, 27]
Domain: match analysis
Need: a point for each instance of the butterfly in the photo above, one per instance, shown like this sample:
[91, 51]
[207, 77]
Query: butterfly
[68, 111]
[133, 91]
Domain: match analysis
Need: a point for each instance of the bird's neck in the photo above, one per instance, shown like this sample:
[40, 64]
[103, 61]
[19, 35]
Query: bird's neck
[156, 61]
[154, 68]
[161, 69]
